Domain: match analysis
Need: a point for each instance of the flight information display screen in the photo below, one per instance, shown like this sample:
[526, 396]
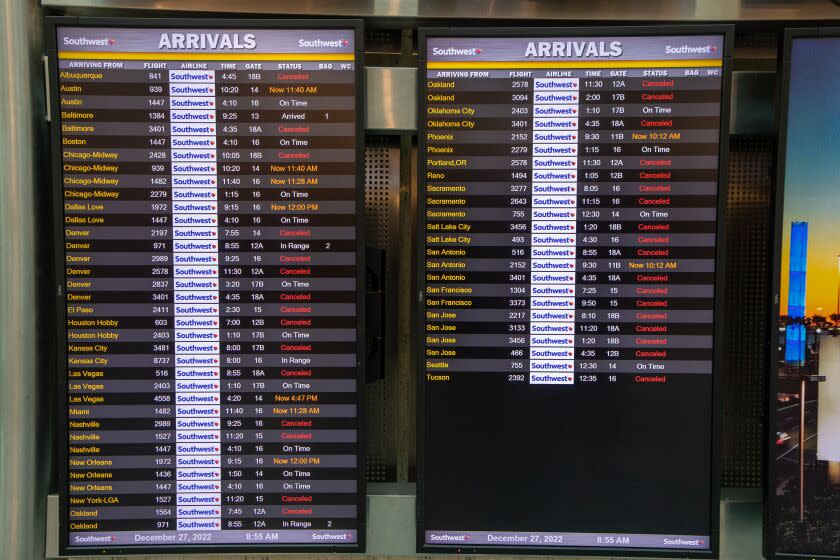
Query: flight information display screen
[209, 208]
[570, 202]
[803, 447]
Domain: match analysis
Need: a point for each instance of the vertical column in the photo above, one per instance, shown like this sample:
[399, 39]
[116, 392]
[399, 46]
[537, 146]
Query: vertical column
[477, 228]
[25, 452]
[554, 230]
[196, 278]
[241, 137]
[596, 209]
[117, 235]
[157, 313]
[234, 179]
[674, 170]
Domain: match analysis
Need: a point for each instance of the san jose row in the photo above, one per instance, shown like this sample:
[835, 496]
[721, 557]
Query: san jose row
[500, 345]
[486, 351]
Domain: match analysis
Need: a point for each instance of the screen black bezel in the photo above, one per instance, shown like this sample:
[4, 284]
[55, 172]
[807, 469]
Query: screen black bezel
[782, 114]
[727, 31]
[52, 23]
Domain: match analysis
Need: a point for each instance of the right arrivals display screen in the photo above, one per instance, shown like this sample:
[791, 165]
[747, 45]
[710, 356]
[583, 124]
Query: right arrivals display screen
[803, 453]
[569, 210]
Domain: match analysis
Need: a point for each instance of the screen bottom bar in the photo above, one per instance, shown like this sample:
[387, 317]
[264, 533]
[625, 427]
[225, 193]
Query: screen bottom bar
[199, 538]
[582, 540]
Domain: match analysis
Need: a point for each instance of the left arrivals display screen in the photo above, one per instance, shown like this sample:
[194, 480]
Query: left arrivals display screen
[207, 187]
